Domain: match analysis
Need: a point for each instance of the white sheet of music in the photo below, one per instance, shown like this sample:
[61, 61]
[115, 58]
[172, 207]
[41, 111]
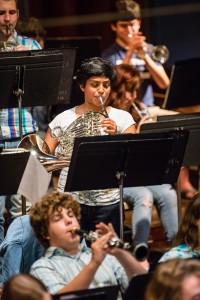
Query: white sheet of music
[35, 180]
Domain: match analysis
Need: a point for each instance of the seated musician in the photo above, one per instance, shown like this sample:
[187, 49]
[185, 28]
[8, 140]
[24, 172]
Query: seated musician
[123, 96]
[69, 265]
[95, 77]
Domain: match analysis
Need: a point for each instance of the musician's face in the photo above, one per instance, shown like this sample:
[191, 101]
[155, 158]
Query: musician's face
[95, 87]
[8, 15]
[125, 28]
[59, 230]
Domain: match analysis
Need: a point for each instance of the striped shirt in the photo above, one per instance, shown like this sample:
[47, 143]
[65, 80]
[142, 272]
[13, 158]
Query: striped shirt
[9, 118]
[58, 268]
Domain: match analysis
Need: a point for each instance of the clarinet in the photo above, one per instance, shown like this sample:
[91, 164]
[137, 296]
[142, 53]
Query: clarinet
[140, 250]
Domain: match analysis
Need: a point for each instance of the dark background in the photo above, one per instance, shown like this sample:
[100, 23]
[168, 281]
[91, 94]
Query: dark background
[173, 23]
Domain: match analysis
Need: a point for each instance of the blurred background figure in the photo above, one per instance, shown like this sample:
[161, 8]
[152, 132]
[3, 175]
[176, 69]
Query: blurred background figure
[176, 279]
[130, 47]
[33, 28]
[25, 287]
[187, 244]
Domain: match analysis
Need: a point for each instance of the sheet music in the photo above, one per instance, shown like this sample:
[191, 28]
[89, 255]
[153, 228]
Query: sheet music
[13, 150]
[35, 180]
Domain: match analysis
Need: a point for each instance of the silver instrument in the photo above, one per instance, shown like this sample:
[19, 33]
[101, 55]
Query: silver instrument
[142, 112]
[9, 45]
[39, 148]
[140, 251]
[103, 108]
[88, 124]
[159, 53]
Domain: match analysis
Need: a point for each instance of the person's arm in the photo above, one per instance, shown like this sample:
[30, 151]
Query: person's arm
[86, 276]
[131, 129]
[131, 266]
[157, 72]
[51, 142]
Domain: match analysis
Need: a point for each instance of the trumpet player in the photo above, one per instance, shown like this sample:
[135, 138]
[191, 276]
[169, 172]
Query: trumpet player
[68, 264]
[9, 118]
[130, 47]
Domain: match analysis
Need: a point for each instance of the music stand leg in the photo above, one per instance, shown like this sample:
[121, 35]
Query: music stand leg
[20, 114]
[120, 176]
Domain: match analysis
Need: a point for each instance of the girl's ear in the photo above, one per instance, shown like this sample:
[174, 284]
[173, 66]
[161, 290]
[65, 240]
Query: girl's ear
[82, 88]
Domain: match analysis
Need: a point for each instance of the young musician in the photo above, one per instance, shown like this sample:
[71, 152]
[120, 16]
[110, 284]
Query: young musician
[130, 47]
[69, 265]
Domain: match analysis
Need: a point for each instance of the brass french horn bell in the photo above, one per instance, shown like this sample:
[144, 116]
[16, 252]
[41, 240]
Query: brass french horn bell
[39, 148]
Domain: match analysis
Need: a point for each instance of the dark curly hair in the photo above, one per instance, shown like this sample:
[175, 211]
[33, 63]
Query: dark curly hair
[95, 66]
[42, 210]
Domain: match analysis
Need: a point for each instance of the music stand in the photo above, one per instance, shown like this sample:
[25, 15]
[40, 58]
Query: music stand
[28, 79]
[123, 161]
[102, 293]
[189, 122]
[31, 78]
[183, 90]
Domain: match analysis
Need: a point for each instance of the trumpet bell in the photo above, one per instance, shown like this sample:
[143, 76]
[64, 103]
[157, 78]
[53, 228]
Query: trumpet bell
[39, 148]
[160, 53]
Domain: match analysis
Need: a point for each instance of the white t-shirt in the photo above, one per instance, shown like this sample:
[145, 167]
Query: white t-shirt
[123, 120]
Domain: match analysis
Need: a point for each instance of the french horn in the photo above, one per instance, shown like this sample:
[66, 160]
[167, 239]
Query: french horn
[39, 148]
[88, 124]
[6, 46]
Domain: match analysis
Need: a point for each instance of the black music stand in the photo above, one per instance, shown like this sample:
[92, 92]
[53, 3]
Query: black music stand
[120, 161]
[102, 293]
[183, 90]
[189, 122]
[31, 78]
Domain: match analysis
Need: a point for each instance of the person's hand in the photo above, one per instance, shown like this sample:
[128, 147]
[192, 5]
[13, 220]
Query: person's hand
[136, 42]
[21, 48]
[145, 119]
[100, 248]
[103, 229]
[109, 126]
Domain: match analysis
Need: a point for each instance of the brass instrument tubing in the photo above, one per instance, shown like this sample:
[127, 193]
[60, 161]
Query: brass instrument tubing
[103, 107]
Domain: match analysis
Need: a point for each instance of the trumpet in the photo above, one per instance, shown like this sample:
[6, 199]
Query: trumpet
[142, 112]
[140, 250]
[159, 53]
